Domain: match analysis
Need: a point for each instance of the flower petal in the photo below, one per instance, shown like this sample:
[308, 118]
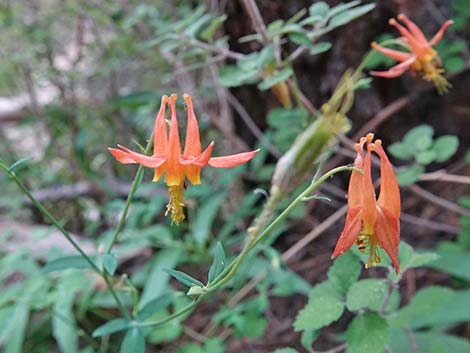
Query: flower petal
[160, 138]
[415, 45]
[201, 160]
[146, 161]
[414, 29]
[192, 145]
[174, 170]
[387, 231]
[438, 36]
[396, 70]
[233, 160]
[394, 54]
[389, 196]
[121, 156]
[368, 193]
[351, 230]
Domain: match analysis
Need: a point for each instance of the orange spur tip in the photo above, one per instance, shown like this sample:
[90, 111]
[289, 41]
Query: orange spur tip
[401, 16]
[370, 136]
[173, 97]
[187, 97]
[392, 21]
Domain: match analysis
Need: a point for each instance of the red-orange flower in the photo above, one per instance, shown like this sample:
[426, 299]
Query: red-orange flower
[422, 58]
[371, 223]
[167, 157]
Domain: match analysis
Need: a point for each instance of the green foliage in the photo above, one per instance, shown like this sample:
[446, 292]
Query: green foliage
[183, 278]
[418, 143]
[367, 333]
[218, 263]
[324, 306]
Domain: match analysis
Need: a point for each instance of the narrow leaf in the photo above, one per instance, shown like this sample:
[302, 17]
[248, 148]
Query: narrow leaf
[218, 264]
[133, 342]
[110, 263]
[111, 327]
[155, 306]
[65, 263]
[184, 278]
[18, 163]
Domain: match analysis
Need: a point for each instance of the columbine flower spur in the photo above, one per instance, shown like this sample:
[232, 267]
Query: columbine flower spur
[167, 157]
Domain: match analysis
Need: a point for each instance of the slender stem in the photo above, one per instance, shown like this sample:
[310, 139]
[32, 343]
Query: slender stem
[48, 215]
[118, 301]
[225, 276]
[180, 312]
[130, 196]
[66, 234]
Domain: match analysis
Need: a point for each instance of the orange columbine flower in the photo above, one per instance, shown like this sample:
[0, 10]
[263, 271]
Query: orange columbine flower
[167, 157]
[371, 223]
[422, 58]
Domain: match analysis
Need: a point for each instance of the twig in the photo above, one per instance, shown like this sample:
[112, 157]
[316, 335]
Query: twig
[336, 349]
[442, 175]
[429, 224]
[212, 48]
[411, 339]
[439, 200]
[252, 125]
[256, 19]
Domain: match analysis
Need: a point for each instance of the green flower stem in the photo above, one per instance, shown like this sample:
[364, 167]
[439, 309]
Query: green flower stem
[130, 196]
[176, 314]
[225, 276]
[66, 234]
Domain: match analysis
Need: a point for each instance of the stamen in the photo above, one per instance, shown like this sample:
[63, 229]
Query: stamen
[368, 242]
[176, 204]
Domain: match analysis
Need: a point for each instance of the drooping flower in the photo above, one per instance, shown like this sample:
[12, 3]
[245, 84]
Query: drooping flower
[372, 223]
[422, 58]
[167, 157]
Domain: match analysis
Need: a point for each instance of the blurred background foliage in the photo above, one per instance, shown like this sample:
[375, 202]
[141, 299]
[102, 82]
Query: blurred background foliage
[78, 76]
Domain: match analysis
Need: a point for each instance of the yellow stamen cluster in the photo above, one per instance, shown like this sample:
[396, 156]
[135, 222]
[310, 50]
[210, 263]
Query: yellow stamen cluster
[176, 205]
[369, 241]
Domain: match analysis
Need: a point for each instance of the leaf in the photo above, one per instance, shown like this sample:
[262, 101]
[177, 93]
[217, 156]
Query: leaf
[234, 76]
[218, 264]
[349, 15]
[344, 272]
[455, 263]
[319, 8]
[453, 312]
[64, 326]
[324, 306]
[184, 278]
[133, 342]
[308, 337]
[419, 138]
[409, 175]
[278, 77]
[110, 263]
[154, 306]
[112, 326]
[19, 163]
[208, 33]
[425, 302]
[300, 39]
[367, 293]
[401, 150]
[205, 218]
[445, 147]
[17, 330]
[157, 280]
[427, 341]
[65, 263]
[367, 333]
[425, 157]
[409, 258]
[319, 48]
